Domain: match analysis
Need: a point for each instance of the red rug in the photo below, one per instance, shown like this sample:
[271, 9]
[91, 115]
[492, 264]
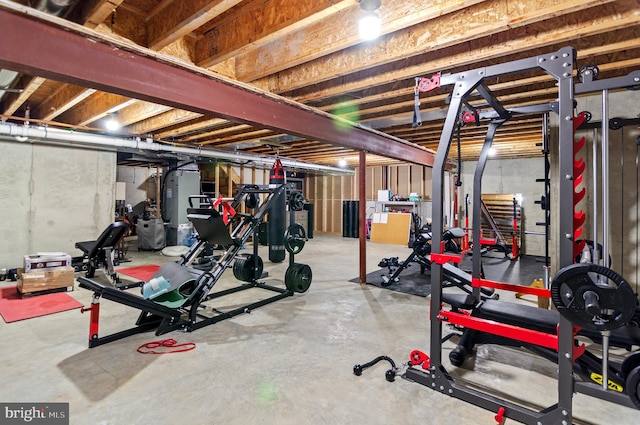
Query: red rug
[14, 308]
[140, 272]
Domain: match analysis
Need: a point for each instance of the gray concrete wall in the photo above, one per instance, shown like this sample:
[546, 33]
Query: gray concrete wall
[140, 185]
[511, 176]
[52, 198]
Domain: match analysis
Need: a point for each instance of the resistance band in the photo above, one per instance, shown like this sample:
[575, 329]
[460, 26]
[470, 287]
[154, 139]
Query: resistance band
[171, 344]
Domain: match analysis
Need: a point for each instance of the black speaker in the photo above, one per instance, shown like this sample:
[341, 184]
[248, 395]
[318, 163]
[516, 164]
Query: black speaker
[350, 219]
[346, 231]
[309, 207]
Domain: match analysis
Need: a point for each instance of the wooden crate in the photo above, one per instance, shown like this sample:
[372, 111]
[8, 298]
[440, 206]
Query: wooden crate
[42, 282]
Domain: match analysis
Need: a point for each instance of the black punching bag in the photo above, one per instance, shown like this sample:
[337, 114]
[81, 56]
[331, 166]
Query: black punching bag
[277, 215]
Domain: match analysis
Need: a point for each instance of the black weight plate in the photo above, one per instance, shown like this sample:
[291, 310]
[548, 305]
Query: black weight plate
[629, 363]
[251, 201]
[296, 201]
[246, 270]
[295, 246]
[421, 246]
[294, 238]
[632, 386]
[298, 277]
[616, 304]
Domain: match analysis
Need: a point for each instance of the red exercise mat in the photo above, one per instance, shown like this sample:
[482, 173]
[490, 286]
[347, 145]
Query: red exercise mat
[14, 308]
[140, 272]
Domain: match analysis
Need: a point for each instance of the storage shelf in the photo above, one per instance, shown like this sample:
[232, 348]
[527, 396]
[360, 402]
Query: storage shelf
[413, 207]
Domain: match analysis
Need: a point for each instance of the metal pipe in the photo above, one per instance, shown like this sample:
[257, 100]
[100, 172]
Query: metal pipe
[605, 176]
[595, 257]
[547, 199]
[605, 360]
[23, 133]
[605, 224]
[53, 7]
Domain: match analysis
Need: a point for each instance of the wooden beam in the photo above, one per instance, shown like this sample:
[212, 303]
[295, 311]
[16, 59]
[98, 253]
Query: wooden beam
[461, 38]
[76, 55]
[139, 111]
[158, 8]
[92, 13]
[182, 17]
[66, 97]
[29, 85]
[389, 95]
[93, 108]
[197, 126]
[334, 33]
[257, 26]
[126, 23]
[235, 139]
[219, 133]
[164, 120]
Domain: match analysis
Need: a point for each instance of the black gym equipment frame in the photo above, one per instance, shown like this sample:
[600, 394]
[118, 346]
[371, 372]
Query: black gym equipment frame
[560, 66]
[212, 229]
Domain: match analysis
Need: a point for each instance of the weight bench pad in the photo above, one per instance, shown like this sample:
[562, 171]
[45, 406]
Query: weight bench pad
[108, 239]
[520, 315]
[460, 301]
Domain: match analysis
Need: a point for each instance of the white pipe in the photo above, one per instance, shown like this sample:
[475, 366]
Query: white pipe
[22, 133]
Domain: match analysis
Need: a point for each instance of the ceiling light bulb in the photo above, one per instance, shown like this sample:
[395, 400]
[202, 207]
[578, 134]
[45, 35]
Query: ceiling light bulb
[112, 124]
[369, 26]
[342, 163]
[492, 151]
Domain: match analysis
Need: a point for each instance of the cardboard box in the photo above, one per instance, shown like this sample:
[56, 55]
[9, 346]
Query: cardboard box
[384, 195]
[45, 281]
[46, 261]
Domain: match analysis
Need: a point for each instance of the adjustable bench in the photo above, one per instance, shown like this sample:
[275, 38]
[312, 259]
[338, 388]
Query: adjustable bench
[99, 253]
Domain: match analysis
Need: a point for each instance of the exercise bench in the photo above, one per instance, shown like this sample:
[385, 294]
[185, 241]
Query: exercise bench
[100, 254]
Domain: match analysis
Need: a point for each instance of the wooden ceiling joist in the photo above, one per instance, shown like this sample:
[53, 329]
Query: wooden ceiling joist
[261, 25]
[502, 46]
[180, 18]
[310, 53]
[76, 55]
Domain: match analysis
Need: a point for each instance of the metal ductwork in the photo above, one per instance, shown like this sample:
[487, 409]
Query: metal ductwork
[52, 7]
[6, 79]
[45, 135]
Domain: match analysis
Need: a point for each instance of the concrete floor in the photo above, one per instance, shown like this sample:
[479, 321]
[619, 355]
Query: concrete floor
[285, 363]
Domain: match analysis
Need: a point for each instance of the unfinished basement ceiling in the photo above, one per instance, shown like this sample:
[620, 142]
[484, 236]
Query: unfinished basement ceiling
[310, 52]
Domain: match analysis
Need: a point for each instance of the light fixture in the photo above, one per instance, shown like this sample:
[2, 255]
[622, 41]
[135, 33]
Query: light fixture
[342, 163]
[369, 25]
[492, 152]
[112, 123]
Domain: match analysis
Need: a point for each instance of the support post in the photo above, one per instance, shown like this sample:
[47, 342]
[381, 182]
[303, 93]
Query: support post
[362, 214]
[477, 200]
